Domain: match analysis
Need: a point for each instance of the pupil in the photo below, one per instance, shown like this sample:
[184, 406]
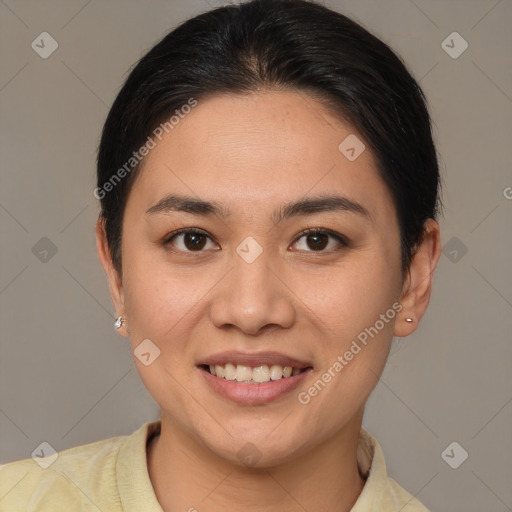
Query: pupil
[318, 244]
[195, 240]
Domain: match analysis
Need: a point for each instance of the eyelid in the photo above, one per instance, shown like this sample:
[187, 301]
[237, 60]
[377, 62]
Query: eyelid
[324, 231]
[343, 240]
[166, 241]
[180, 231]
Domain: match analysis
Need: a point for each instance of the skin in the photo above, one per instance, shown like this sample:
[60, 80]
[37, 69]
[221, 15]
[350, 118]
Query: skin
[254, 153]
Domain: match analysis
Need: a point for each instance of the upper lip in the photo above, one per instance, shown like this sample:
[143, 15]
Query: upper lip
[253, 359]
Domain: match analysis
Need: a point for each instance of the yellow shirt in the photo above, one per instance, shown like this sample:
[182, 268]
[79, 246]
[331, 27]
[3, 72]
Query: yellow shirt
[112, 476]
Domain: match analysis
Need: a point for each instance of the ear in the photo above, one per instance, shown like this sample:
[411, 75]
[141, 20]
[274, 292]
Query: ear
[418, 283]
[113, 278]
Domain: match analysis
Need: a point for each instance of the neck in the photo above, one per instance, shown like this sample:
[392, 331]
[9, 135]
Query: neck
[187, 476]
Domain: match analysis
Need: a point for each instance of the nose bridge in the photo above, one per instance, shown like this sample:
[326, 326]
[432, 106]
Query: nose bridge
[251, 296]
[253, 285]
[253, 277]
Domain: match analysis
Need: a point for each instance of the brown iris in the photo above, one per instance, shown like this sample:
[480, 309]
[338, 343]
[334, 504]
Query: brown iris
[194, 241]
[318, 243]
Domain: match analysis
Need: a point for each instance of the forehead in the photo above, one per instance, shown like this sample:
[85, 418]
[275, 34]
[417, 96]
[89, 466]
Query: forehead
[261, 148]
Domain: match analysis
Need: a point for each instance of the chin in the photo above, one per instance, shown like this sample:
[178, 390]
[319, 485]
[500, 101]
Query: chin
[255, 447]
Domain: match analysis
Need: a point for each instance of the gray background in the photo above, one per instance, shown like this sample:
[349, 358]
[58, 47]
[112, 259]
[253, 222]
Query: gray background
[67, 378]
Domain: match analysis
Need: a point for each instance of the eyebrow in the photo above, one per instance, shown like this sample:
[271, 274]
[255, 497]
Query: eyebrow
[308, 206]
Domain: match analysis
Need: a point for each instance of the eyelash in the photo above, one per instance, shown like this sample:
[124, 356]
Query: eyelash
[343, 241]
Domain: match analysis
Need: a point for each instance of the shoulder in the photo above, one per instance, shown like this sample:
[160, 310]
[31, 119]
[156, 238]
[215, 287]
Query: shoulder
[80, 478]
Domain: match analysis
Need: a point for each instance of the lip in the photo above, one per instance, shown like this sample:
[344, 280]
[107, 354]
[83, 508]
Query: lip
[253, 394]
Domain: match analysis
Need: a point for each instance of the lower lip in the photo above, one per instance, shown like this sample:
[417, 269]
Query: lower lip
[253, 394]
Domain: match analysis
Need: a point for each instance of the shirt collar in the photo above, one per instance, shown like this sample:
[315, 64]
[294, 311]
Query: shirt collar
[370, 460]
[135, 487]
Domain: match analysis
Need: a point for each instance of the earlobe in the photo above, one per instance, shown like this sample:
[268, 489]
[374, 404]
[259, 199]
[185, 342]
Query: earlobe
[113, 278]
[418, 284]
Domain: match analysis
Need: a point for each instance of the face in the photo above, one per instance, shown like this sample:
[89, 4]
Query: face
[239, 282]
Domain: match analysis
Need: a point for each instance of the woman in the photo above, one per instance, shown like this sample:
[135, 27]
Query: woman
[269, 189]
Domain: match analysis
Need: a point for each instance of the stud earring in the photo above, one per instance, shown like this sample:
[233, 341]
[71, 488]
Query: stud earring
[409, 320]
[119, 322]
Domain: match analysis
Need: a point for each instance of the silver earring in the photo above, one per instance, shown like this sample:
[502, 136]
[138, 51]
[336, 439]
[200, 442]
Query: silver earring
[119, 322]
[409, 320]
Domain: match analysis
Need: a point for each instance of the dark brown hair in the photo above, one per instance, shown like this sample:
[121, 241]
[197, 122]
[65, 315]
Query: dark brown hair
[278, 44]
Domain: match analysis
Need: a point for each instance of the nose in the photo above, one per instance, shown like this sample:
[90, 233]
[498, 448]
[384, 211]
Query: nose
[253, 297]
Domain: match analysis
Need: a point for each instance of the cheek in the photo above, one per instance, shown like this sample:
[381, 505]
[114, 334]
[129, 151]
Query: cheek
[351, 297]
[160, 307]
[154, 299]
[355, 340]
[357, 319]
[157, 302]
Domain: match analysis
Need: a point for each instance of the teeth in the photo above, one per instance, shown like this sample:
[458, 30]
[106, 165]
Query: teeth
[261, 374]
[243, 373]
[276, 372]
[249, 375]
[230, 372]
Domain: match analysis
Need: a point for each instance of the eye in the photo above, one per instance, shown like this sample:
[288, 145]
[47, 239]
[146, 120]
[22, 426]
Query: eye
[189, 240]
[317, 239]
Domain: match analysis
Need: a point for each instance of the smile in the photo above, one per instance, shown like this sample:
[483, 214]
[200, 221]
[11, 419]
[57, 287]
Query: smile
[253, 375]
[253, 378]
